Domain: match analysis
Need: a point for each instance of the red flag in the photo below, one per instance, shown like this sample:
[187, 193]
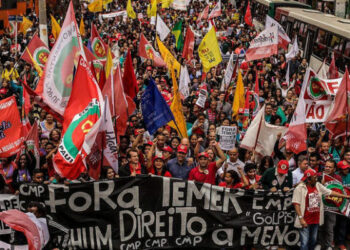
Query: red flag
[89, 56]
[203, 14]
[94, 159]
[216, 10]
[39, 51]
[82, 119]
[121, 105]
[333, 71]
[99, 48]
[102, 78]
[39, 100]
[337, 123]
[147, 51]
[10, 128]
[23, 222]
[129, 78]
[187, 52]
[248, 16]
[32, 143]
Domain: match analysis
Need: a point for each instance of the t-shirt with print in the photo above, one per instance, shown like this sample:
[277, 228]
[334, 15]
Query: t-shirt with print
[312, 206]
[207, 176]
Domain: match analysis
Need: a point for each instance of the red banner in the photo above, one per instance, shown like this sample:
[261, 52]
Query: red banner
[10, 128]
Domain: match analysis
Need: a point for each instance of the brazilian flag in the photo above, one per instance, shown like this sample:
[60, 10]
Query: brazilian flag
[177, 32]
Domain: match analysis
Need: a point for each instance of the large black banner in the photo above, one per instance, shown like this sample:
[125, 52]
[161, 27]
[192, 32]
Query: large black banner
[154, 212]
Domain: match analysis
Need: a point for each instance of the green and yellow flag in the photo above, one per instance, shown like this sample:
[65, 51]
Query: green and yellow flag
[179, 124]
[56, 28]
[177, 32]
[95, 6]
[168, 58]
[239, 99]
[130, 10]
[209, 51]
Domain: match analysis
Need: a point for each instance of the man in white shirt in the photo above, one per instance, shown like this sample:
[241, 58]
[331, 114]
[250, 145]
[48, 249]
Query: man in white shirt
[303, 165]
[233, 163]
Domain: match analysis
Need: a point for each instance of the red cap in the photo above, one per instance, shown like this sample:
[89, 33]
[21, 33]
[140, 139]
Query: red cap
[149, 143]
[343, 165]
[203, 154]
[308, 173]
[3, 91]
[241, 111]
[284, 84]
[283, 167]
[168, 149]
[244, 66]
[182, 149]
[149, 68]
[158, 157]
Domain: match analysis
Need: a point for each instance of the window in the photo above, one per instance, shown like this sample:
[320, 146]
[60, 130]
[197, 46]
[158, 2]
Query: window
[320, 46]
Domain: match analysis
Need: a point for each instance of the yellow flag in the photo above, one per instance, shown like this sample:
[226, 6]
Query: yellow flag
[149, 10]
[82, 27]
[109, 63]
[130, 10]
[25, 25]
[239, 100]
[176, 108]
[166, 4]
[154, 8]
[209, 51]
[105, 2]
[95, 6]
[168, 58]
[56, 29]
[36, 65]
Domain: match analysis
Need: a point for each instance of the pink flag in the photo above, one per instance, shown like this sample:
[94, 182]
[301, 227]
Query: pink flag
[204, 14]
[332, 70]
[20, 221]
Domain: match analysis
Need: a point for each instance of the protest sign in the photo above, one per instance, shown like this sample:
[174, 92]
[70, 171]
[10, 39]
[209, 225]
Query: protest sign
[202, 97]
[227, 137]
[158, 212]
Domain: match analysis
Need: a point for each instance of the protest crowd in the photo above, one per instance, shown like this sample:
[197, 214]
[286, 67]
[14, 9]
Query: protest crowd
[150, 89]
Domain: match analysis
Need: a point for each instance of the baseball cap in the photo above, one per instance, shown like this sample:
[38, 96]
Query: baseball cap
[149, 68]
[158, 157]
[168, 149]
[241, 111]
[284, 84]
[182, 149]
[203, 154]
[342, 165]
[283, 167]
[308, 173]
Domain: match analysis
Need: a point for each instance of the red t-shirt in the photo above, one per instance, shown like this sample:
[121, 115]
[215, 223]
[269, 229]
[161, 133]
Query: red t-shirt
[137, 170]
[166, 174]
[237, 185]
[208, 177]
[312, 206]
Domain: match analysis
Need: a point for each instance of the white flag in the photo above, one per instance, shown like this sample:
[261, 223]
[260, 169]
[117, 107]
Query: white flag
[216, 10]
[229, 71]
[184, 82]
[179, 5]
[110, 152]
[162, 29]
[263, 139]
[283, 38]
[294, 50]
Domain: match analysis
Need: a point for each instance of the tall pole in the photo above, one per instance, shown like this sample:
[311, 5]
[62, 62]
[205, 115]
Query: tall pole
[43, 22]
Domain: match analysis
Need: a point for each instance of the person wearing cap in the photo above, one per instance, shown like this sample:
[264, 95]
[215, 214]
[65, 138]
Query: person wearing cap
[303, 165]
[205, 172]
[307, 201]
[341, 224]
[179, 167]
[158, 167]
[9, 73]
[167, 153]
[278, 178]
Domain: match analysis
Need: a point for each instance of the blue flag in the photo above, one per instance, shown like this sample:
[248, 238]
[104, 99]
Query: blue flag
[155, 111]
